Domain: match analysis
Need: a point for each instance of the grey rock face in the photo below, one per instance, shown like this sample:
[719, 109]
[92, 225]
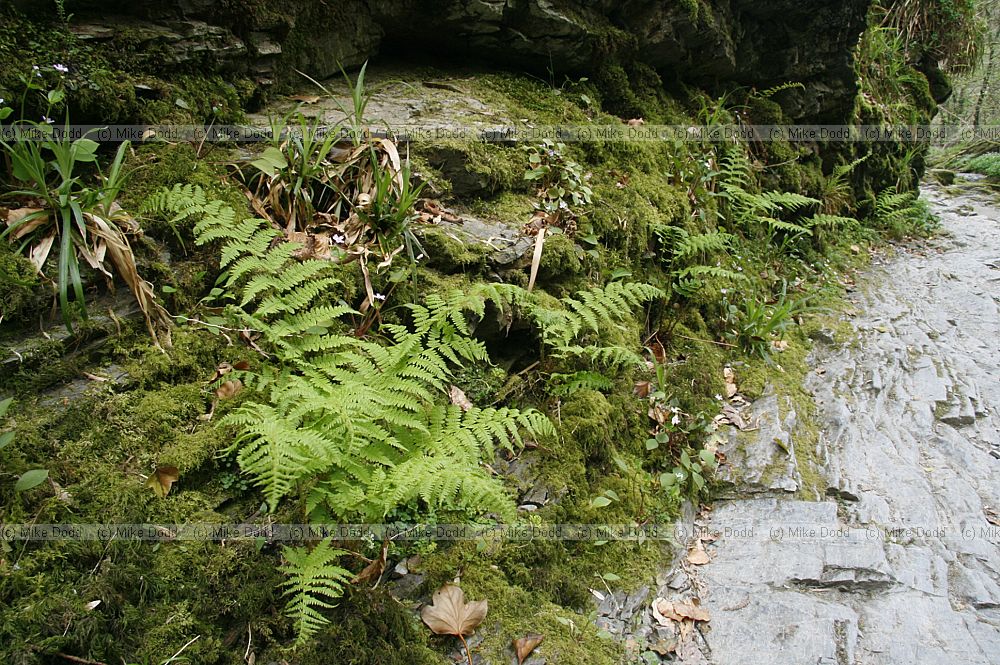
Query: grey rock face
[723, 42]
[899, 564]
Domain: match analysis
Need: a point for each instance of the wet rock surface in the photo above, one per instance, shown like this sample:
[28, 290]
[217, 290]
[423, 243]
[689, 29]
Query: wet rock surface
[899, 562]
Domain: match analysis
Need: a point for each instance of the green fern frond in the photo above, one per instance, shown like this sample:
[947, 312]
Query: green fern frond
[563, 385]
[314, 584]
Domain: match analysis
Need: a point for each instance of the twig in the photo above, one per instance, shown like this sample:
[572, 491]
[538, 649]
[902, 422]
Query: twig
[174, 657]
[708, 341]
[77, 659]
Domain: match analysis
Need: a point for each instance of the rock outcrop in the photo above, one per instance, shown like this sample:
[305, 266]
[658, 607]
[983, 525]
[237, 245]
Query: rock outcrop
[713, 45]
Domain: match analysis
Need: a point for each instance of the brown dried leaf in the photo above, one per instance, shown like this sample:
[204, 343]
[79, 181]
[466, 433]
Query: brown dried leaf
[663, 612]
[635, 122]
[729, 376]
[161, 480]
[523, 646]
[691, 611]
[459, 399]
[536, 258]
[734, 417]
[229, 389]
[698, 556]
[373, 570]
[18, 214]
[306, 99]
[643, 388]
[449, 614]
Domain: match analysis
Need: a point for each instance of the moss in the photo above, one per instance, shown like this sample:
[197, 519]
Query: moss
[515, 610]
[561, 259]
[447, 253]
[21, 294]
[370, 628]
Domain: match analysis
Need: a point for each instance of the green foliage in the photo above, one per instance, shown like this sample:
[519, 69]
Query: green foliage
[757, 324]
[356, 416]
[81, 220]
[753, 210]
[689, 257]
[988, 164]
[313, 583]
[562, 184]
[945, 30]
[590, 312]
[902, 213]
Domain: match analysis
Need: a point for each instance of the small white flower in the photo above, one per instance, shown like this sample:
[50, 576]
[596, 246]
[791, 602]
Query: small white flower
[1, 100]
[62, 69]
[338, 239]
[379, 296]
[723, 291]
[47, 120]
[718, 397]
[676, 420]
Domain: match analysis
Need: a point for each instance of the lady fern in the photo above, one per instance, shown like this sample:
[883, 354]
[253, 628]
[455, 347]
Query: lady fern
[314, 582]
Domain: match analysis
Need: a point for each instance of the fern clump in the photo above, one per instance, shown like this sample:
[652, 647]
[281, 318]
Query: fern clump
[564, 330]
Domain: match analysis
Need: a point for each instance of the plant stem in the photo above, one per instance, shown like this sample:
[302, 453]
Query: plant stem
[468, 654]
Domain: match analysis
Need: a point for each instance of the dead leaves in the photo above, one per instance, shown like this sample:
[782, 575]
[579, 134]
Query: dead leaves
[697, 555]
[162, 480]
[305, 99]
[450, 614]
[97, 239]
[523, 646]
[729, 378]
[226, 389]
[459, 399]
[432, 212]
[665, 611]
[375, 568]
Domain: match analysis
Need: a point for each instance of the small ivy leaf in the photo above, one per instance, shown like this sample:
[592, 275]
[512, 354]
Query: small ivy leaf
[523, 646]
[30, 479]
[5, 439]
[4, 405]
[612, 494]
[667, 480]
[449, 614]
[600, 502]
[611, 577]
[707, 457]
[652, 444]
[161, 480]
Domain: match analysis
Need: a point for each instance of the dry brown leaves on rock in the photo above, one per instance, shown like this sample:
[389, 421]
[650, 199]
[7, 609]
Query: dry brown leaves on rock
[729, 377]
[523, 646]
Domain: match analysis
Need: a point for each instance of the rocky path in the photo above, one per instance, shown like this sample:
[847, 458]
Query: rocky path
[900, 561]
